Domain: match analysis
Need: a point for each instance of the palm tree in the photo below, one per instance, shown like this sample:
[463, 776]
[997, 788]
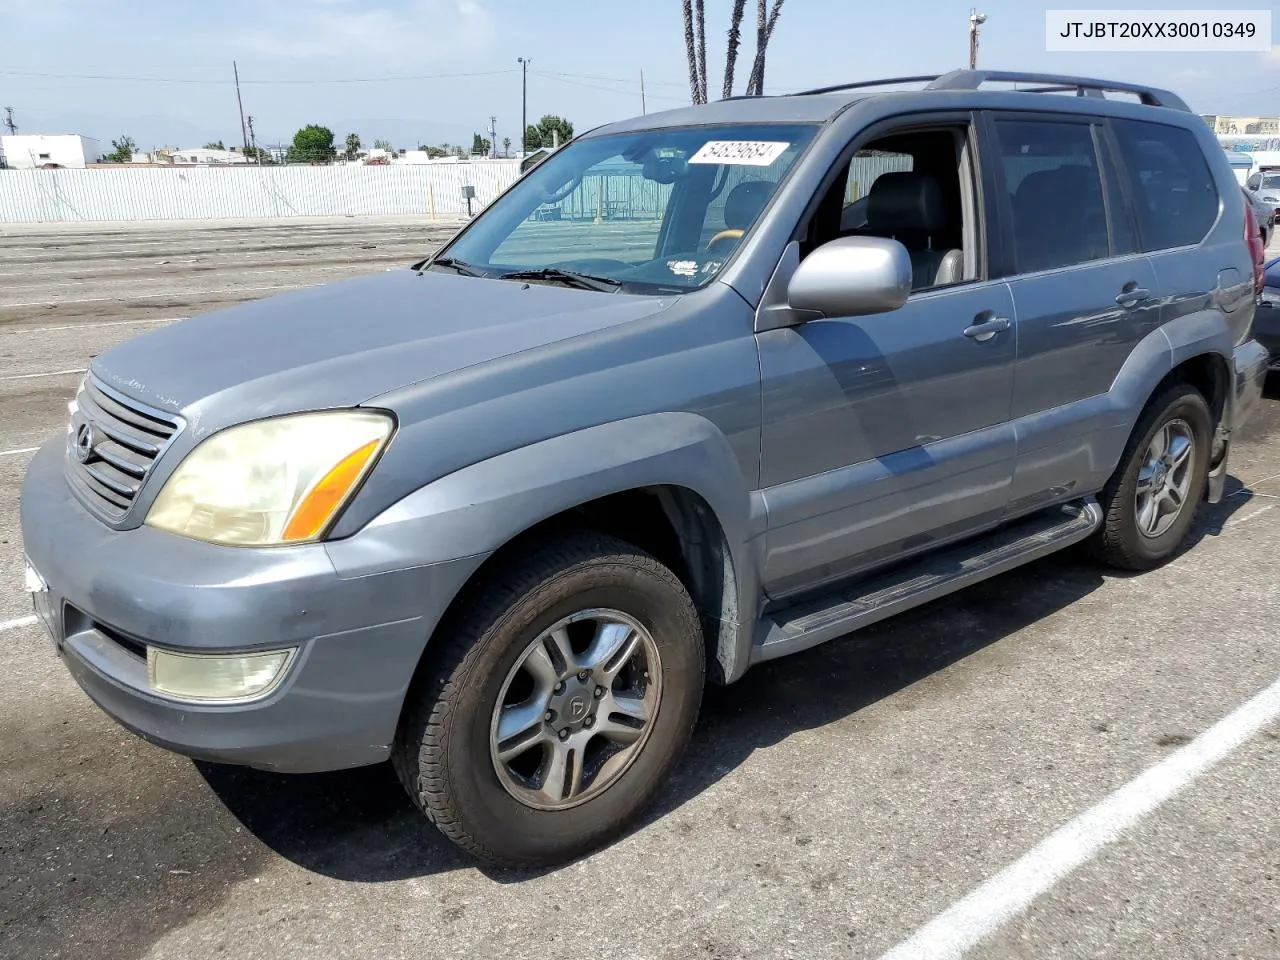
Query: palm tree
[506, 146]
[695, 42]
[353, 145]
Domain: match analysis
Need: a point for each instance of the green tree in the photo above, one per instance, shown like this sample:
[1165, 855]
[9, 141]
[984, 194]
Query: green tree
[532, 138]
[259, 155]
[353, 145]
[695, 41]
[312, 144]
[440, 150]
[214, 145]
[383, 145]
[554, 130]
[480, 146]
[506, 146]
[124, 150]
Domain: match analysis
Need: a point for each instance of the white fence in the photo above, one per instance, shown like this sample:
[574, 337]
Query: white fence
[155, 193]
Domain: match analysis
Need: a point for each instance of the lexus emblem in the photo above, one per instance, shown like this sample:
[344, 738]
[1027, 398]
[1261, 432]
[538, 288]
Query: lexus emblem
[85, 441]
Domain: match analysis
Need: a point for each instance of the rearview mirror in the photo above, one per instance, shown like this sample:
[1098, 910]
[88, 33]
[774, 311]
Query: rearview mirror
[851, 277]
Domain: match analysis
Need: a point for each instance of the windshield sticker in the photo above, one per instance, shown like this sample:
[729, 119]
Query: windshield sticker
[683, 268]
[740, 153]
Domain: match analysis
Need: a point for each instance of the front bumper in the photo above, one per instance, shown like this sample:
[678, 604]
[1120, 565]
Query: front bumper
[1266, 329]
[359, 634]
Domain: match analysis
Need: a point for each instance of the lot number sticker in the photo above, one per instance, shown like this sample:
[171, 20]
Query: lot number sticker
[744, 153]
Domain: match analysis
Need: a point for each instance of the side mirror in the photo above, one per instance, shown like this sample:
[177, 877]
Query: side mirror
[851, 277]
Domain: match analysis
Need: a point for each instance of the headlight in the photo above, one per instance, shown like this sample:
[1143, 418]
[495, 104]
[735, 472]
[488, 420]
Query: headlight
[1271, 296]
[273, 481]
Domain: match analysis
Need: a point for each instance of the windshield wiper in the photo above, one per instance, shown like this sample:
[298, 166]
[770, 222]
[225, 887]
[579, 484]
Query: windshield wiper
[570, 278]
[464, 268]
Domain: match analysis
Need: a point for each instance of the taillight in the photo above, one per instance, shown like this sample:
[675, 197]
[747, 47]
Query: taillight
[1253, 234]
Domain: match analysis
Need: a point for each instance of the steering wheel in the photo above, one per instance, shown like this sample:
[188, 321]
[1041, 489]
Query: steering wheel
[722, 236]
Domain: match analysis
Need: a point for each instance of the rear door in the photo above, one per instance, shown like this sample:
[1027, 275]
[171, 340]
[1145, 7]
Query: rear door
[1083, 292]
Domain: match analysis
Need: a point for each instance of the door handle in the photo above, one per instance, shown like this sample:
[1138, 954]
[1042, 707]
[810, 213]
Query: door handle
[1132, 296]
[985, 330]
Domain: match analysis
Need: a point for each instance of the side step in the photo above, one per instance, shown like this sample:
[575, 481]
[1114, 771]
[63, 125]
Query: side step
[934, 575]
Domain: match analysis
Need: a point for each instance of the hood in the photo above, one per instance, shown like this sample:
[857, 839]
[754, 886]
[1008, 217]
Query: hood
[344, 343]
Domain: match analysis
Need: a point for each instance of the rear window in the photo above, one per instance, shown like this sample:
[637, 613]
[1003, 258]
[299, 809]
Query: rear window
[1173, 189]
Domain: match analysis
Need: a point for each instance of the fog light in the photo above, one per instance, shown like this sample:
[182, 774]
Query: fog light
[226, 678]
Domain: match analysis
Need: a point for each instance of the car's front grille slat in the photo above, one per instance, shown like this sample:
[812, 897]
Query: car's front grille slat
[113, 444]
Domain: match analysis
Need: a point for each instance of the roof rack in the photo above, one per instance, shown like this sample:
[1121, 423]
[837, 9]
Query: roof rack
[865, 83]
[1057, 83]
[1049, 83]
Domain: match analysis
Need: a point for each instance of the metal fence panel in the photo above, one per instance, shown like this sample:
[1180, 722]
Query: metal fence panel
[151, 193]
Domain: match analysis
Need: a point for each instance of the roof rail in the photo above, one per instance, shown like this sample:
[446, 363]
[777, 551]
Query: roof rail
[864, 83]
[1056, 83]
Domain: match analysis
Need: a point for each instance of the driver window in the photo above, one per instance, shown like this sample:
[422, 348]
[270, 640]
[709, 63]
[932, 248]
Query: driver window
[904, 187]
[614, 213]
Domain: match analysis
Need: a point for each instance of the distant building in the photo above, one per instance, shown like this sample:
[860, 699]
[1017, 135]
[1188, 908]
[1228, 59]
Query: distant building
[33, 151]
[1221, 124]
[205, 157]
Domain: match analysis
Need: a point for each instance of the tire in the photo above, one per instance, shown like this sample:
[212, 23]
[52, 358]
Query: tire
[447, 749]
[1121, 542]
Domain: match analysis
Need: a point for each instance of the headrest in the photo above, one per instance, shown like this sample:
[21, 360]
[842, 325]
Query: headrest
[744, 203]
[1052, 188]
[906, 202]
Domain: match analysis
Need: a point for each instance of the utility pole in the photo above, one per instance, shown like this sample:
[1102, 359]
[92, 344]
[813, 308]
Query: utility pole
[253, 141]
[524, 104]
[244, 137]
[8, 121]
[493, 137]
[976, 20]
[642, 106]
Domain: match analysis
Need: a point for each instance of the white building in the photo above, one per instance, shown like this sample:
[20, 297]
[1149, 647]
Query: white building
[205, 157]
[30, 152]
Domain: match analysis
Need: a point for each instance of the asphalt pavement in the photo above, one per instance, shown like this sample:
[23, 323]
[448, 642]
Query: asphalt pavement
[839, 803]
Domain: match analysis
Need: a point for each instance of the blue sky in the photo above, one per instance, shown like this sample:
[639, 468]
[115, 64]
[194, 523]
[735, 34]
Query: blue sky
[587, 56]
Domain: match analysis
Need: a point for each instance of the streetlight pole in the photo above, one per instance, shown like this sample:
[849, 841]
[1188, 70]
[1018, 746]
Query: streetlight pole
[976, 19]
[524, 104]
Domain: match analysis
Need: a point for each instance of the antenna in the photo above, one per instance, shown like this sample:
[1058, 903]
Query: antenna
[8, 120]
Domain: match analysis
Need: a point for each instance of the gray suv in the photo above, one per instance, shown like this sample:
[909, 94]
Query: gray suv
[702, 389]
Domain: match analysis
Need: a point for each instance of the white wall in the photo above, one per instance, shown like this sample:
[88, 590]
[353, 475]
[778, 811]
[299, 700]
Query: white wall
[22, 151]
[159, 193]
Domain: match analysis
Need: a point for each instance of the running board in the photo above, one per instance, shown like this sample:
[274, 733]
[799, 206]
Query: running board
[933, 576]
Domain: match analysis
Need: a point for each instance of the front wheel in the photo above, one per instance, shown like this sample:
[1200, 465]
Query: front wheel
[1151, 500]
[563, 693]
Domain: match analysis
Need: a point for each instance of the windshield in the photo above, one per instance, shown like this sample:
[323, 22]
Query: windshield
[1270, 182]
[659, 210]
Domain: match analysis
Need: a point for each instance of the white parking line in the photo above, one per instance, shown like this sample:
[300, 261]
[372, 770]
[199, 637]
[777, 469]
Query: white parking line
[14, 453]
[33, 376]
[20, 622]
[982, 912]
[94, 323]
[1249, 516]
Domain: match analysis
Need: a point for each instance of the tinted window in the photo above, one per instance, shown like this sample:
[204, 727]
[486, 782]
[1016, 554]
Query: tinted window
[1055, 193]
[1173, 189]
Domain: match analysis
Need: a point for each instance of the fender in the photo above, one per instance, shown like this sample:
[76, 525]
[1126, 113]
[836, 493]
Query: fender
[476, 510]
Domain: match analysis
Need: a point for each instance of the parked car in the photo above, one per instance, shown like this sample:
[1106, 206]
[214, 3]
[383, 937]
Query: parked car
[1266, 321]
[500, 517]
[1266, 216]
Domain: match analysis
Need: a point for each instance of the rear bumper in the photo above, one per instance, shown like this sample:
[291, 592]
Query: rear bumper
[359, 634]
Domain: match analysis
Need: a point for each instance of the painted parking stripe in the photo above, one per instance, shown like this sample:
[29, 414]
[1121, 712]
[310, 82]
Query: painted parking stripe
[14, 453]
[51, 373]
[149, 296]
[14, 624]
[88, 324]
[986, 909]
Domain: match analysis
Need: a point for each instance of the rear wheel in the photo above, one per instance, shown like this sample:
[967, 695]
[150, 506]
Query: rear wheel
[562, 695]
[1151, 501]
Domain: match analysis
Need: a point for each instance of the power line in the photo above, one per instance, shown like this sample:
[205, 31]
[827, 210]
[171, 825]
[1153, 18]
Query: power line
[129, 79]
[587, 76]
[592, 86]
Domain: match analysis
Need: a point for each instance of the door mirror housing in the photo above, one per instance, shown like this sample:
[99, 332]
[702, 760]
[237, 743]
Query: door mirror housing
[850, 277]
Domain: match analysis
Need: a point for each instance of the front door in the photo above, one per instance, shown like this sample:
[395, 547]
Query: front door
[885, 435]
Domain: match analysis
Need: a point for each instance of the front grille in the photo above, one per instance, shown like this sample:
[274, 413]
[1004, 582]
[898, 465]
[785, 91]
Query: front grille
[111, 446]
